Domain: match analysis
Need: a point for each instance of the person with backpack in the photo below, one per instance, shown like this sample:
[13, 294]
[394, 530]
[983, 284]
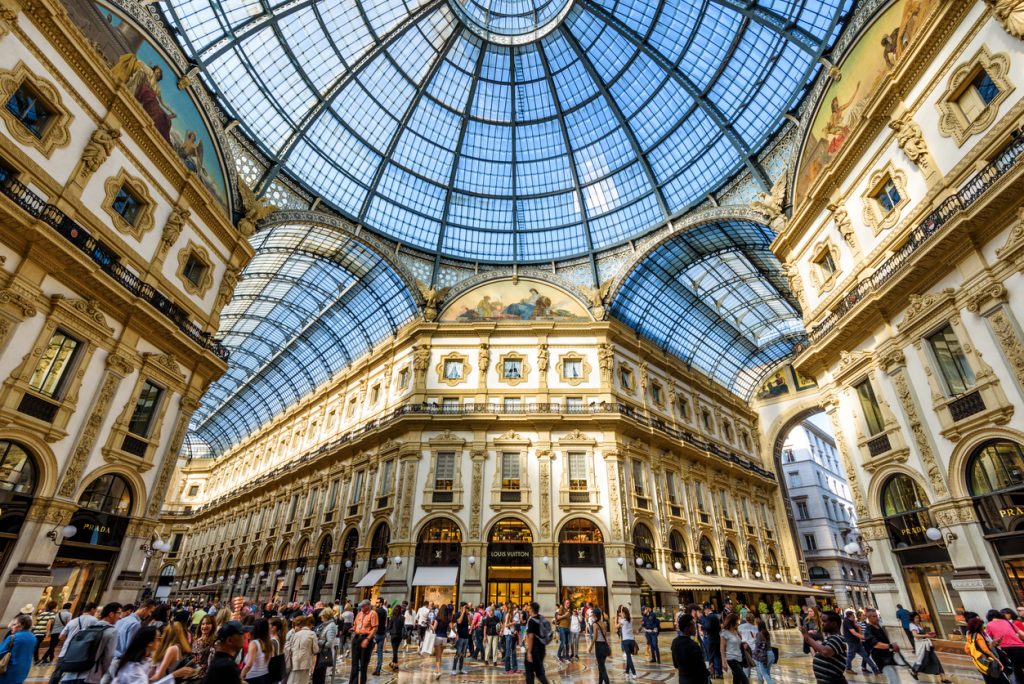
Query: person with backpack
[60, 621]
[538, 636]
[89, 646]
[982, 653]
[87, 618]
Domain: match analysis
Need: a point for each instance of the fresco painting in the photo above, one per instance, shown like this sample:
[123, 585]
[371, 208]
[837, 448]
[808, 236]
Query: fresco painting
[505, 300]
[878, 51]
[152, 81]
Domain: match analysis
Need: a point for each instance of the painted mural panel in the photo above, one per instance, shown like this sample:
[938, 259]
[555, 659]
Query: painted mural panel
[150, 79]
[878, 51]
[505, 300]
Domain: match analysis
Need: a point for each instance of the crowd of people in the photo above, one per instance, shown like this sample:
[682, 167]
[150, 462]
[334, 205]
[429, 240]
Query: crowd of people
[273, 643]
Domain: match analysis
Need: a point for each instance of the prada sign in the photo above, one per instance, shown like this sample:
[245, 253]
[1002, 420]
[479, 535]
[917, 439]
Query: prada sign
[1001, 513]
[98, 529]
[908, 529]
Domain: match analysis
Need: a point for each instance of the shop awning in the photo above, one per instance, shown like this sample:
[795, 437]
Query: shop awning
[685, 580]
[435, 577]
[583, 577]
[655, 580]
[371, 578]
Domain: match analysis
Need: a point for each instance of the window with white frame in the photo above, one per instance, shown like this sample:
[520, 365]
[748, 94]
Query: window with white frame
[444, 477]
[510, 483]
[951, 360]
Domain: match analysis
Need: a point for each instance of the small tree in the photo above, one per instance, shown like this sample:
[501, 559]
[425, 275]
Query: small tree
[777, 607]
[762, 608]
[794, 609]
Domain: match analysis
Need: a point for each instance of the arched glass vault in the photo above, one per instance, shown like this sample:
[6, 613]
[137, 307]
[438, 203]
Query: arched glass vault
[309, 303]
[546, 130]
[715, 297]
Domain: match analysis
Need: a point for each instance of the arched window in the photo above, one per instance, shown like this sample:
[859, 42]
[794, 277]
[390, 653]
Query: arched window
[902, 495]
[440, 544]
[677, 546]
[511, 530]
[643, 545]
[348, 563]
[580, 531]
[379, 543]
[17, 470]
[732, 557]
[754, 560]
[581, 544]
[441, 531]
[995, 466]
[816, 572]
[707, 556]
[108, 493]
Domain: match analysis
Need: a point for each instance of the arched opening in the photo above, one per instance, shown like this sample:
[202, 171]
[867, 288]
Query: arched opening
[709, 566]
[299, 570]
[81, 570]
[510, 562]
[323, 563]
[581, 563]
[347, 566]
[995, 480]
[774, 569]
[925, 562]
[755, 563]
[732, 559]
[677, 549]
[164, 582]
[438, 558]
[18, 478]
[380, 541]
[652, 583]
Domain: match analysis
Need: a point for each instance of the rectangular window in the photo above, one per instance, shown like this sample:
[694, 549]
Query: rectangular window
[638, 479]
[145, 409]
[512, 404]
[193, 490]
[670, 487]
[572, 369]
[698, 495]
[332, 496]
[127, 204]
[656, 393]
[403, 378]
[888, 196]
[292, 505]
[746, 510]
[375, 394]
[578, 471]
[705, 418]
[626, 378]
[869, 405]
[510, 471]
[981, 91]
[29, 110]
[386, 474]
[194, 270]
[351, 408]
[574, 404]
[810, 543]
[801, 510]
[684, 408]
[311, 501]
[794, 479]
[951, 361]
[826, 264]
[453, 369]
[512, 369]
[450, 405]
[444, 472]
[53, 371]
[357, 488]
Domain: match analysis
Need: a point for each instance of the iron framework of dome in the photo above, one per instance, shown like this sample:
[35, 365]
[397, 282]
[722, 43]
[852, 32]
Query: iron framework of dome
[509, 130]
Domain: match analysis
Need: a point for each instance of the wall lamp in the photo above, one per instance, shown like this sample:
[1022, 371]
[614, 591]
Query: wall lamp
[935, 534]
[58, 535]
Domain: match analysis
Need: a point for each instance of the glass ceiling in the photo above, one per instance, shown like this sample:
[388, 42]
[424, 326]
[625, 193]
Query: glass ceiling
[308, 304]
[508, 130]
[715, 297]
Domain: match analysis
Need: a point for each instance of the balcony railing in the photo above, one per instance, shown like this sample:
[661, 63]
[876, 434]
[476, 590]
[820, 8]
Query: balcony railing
[469, 408]
[970, 193]
[879, 445]
[967, 405]
[108, 261]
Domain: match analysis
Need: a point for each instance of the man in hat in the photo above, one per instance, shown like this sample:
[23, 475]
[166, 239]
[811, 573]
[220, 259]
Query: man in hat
[222, 668]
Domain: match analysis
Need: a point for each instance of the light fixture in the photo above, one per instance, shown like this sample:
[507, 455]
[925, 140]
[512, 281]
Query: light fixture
[639, 562]
[778, 575]
[757, 573]
[471, 560]
[299, 570]
[56, 535]
[677, 565]
[935, 534]
[380, 560]
[853, 548]
[708, 569]
[320, 567]
[735, 571]
[279, 572]
[546, 560]
[797, 580]
[621, 561]
[398, 560]
[245, 576]
[348, 564]
[263, 573]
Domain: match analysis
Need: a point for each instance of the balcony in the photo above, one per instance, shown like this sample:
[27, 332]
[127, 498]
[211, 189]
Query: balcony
[894, 267]
[38, 408]
[879, 445]
[966, 406]
[108, 261]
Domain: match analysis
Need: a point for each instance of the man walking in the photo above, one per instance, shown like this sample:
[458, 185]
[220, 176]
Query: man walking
[882, 650]
[538, 633]
[903, 615]
[85, 672]
[854, 639]
[652, 626]
[711, 626]
[380, 635]
[829, 653]
[562, 620]
[363, 630]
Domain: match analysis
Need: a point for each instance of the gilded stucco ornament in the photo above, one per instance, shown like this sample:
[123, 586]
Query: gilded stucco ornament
[87, 439]
[770, 204]
[256, 209]
[796, 285]
[841, 218]
[910, 139]
[1010, 14]
[1009, 341]
[596, 297]
[172, 228]
[432, 296]
[99, 147]
[227, 287]
[924, 448]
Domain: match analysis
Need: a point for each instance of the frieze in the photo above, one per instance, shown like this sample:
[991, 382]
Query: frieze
[20, 301]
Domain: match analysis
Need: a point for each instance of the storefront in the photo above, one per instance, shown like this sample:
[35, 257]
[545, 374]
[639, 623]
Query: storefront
[346, 567]
[438, 557]
[510, 563]
[655, 589]
[581, 562]
[369, 585]
[81, 570]
[17, 487]
[926, 565]
[995, 479]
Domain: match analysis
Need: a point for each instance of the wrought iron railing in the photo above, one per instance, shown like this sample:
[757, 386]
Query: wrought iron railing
[879, 445]
[974, 189]
[470, 408]
[108, 260]
[967, 405]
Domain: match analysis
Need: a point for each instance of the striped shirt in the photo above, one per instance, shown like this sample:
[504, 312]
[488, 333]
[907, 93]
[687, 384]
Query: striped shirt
[43, 618]
[829, 670]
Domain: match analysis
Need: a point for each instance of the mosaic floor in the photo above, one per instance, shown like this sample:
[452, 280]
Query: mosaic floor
[793, 668]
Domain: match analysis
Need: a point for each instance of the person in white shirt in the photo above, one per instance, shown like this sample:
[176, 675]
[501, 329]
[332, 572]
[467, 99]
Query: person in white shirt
[748, 633]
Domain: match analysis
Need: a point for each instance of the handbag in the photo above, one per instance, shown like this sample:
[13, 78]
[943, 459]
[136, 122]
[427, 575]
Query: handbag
[5, 658]
[428, 643]
[636, 648]
[602, 649]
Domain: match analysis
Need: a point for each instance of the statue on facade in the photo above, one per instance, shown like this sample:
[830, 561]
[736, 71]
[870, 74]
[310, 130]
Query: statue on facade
[431, 297]
[771, 204]
[172, 229]
[100, 144]
[256, 209]
[1010, 14]
[910, 139]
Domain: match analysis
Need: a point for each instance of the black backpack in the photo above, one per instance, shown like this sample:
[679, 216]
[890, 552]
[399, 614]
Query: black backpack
[84, 648]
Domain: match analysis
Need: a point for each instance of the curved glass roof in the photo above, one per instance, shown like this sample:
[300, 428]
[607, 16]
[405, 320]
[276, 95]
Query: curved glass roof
[508, 130]
[715, 296]
[309, 303]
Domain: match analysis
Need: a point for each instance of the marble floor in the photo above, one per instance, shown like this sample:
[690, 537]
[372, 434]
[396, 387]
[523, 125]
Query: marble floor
[793, 668]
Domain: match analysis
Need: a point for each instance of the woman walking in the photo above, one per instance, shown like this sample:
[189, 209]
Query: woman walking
[732, 648]
[599, 646]
[396, 632]
[982, 654]
[763, 654]
[300, 651]
[256, 667]
[927, 661]
[575, 628]
[628, 642]
[440, 628]
[510, 637]
[326, 636]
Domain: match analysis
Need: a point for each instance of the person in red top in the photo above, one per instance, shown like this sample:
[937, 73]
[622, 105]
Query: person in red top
[363, 629]
[1007, 637]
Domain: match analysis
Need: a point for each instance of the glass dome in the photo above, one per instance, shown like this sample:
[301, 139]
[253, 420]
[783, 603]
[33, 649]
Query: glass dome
[509, 130]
